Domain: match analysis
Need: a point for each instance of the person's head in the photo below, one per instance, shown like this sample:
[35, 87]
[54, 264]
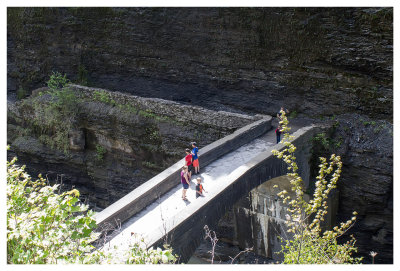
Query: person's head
[185, 168]
[198, 180]
[187, 151]
[282, 108]
[194, 144]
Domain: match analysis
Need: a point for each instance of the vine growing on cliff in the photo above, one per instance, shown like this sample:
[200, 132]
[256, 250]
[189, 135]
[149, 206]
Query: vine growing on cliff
[308, 242]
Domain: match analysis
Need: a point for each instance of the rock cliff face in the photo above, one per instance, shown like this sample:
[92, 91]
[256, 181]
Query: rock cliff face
[117, 142]
[318, 62]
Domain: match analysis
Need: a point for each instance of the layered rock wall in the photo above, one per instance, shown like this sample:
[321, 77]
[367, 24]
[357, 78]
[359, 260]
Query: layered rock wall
[316, 61]
[117, 142]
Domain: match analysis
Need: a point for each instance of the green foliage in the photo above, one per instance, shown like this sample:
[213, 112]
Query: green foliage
[21, 93]
[104, 97]
[138, 254]
[366, 123]
[327, 142]
[309, 244]
[54, 118]
[57, 81]
[321, 137]
[153, 134]
[100, 151]
[44, 227]
[338, 143]
[52, 113]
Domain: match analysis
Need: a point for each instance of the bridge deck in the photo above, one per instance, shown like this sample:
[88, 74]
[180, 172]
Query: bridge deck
[158, 217]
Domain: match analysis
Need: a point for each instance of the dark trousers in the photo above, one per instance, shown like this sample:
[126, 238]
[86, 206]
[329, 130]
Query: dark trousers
[278, 138]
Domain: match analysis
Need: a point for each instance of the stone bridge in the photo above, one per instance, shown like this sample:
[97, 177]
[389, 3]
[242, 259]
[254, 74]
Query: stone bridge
[230, 168]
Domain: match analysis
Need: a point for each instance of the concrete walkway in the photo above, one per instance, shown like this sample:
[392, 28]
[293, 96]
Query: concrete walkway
[162, 212]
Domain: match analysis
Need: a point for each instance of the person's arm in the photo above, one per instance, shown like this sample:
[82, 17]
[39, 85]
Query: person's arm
[186, 178]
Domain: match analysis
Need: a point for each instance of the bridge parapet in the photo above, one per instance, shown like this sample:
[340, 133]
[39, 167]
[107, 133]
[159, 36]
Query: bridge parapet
[150, 191]
[174, 110]
[185, 229]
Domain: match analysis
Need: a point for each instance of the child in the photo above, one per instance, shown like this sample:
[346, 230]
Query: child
[195, 158]
[188, 162]
[185, 181]
[199, 188]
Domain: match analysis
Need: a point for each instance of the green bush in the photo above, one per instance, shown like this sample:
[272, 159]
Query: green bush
[53, 117]
[57, 81]
[323, 139]
[44, 227]
[309, 244]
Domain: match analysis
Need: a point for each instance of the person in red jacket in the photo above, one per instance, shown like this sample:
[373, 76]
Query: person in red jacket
[189, 162]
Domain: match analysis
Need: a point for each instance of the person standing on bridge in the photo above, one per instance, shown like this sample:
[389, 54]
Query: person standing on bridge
[184, 181]
[278, 132]
[189, 163]
[196, 164]
[280, 113]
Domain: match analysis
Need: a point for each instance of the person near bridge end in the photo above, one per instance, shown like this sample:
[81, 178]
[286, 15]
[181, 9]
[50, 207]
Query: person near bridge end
[278, 132]
[280, 113]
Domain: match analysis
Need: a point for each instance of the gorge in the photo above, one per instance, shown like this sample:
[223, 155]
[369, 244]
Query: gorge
[327, 65]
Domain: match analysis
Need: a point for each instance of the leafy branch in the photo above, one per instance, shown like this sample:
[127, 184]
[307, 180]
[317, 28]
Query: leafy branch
[308, 243]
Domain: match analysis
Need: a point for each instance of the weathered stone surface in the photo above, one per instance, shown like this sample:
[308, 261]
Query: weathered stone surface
[77, 140]
[313, 60]
[114, 150]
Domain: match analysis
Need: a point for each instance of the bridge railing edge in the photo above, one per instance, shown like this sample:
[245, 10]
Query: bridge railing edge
[150, 191]
[183, 232]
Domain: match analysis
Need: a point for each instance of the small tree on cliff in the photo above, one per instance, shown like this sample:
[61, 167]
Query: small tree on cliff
[308, 243]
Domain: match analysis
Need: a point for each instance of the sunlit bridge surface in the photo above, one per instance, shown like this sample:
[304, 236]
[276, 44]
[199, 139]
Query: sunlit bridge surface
[213, 176]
